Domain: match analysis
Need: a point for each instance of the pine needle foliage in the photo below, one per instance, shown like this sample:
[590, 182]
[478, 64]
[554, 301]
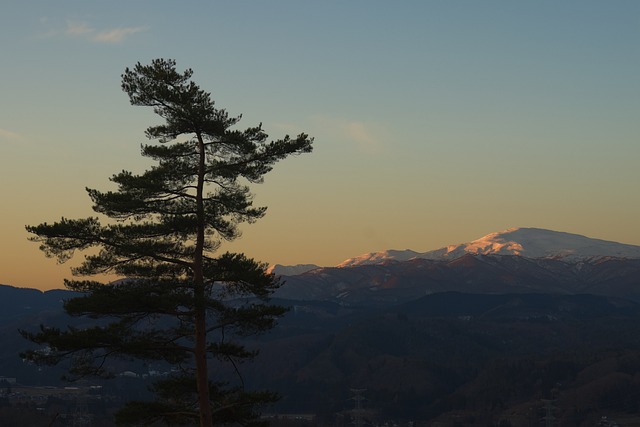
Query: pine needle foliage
[179, 302]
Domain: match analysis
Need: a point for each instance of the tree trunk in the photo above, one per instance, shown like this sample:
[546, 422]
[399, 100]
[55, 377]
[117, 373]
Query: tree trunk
[202, 369]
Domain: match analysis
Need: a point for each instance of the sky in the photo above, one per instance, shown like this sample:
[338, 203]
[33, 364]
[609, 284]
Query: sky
[436, 122]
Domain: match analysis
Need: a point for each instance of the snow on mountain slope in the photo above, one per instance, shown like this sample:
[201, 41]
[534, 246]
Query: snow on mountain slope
[380, 257]
[526, 242]
[539, 243]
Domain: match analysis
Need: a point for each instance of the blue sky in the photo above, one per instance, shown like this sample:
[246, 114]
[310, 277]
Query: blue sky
[436, 122]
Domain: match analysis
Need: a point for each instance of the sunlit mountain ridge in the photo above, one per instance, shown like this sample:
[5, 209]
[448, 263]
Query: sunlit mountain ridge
[521, 241]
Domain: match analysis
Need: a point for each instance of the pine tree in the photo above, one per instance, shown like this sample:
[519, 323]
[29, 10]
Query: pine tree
[178, 301]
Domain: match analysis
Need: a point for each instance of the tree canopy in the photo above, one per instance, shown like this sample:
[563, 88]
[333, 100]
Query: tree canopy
[179, 301]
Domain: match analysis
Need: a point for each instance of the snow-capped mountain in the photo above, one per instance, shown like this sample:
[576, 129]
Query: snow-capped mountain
[525, 242]
[516, 260]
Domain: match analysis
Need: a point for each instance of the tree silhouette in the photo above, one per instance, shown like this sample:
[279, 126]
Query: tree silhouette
[178, 301]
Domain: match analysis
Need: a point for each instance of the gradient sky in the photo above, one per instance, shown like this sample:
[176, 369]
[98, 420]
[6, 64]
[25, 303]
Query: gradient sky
[436, 122]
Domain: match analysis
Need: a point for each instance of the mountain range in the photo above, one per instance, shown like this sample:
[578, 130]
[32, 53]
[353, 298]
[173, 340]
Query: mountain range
[525, 242]
[516, 260]
[469, 334]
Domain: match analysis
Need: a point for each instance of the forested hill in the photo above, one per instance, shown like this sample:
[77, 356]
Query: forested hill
[448, 356]
[453, 356]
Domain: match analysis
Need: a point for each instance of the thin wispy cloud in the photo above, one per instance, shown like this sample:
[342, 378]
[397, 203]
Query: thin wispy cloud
[9, 136]
[78, 28]
[85, 31]
[116, 35]
[368, 137]
[363, 135]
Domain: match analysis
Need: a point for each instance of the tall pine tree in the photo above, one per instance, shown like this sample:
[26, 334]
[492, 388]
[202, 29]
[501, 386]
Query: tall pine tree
[178, 301]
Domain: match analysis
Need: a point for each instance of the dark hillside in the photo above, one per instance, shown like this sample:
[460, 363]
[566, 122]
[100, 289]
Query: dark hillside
[451, 357]
[450, 353]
